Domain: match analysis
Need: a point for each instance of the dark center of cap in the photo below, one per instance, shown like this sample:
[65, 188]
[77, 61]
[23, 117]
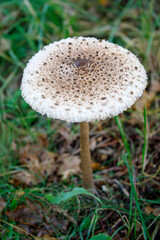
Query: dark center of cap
[81, 62]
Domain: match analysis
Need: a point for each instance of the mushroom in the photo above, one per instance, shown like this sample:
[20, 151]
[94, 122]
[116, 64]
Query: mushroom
[82, 80]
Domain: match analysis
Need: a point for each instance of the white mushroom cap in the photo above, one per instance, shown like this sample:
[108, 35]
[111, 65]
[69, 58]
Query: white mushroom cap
[83, 79]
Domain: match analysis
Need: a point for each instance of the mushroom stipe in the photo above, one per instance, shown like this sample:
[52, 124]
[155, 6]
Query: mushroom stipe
[82, 80]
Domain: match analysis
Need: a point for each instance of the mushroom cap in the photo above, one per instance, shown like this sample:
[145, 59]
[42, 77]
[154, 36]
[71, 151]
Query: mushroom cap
[83, 79]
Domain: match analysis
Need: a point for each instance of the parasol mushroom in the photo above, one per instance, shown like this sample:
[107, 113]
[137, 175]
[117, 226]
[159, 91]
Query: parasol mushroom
[82, 80]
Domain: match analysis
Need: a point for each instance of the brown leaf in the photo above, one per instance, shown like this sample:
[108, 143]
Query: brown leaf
[67, 165]
[147, 97]
[39, 164]
[46, 164]
[25, 178]
[47, 237]
[149, 210]
[145, 101]
[14, 146]
[156, 212]
[97, 166]
[122, 173]
[2, 205]
[93, 143]
[104, 2]
[24, 215]
[5, 44]
[65, 133]
[43, 141]
[65, 140]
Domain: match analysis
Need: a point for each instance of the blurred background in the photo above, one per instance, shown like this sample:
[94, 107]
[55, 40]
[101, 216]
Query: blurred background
[40, 156]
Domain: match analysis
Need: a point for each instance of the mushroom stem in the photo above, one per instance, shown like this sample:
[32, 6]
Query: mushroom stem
[86, 163]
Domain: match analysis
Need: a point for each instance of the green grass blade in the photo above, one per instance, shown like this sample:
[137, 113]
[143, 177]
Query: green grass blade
[145, 231]
[145, 145]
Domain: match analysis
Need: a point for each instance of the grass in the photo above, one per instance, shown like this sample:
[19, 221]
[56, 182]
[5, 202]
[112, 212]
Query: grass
[26, 26]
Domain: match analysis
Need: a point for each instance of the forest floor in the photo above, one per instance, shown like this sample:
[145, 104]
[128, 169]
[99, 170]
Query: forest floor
[40, 179]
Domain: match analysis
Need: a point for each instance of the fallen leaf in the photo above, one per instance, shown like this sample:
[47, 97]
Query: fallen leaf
[105, 189]
[47, 237]
[99, 139]
[19, 193]
[43, 141]
[68, 165]
[24, 215]
[2, 205]
[38, 163]
[156, 212]
[97, 166]
[65, 140]
[14, 146]
[93, 143]
[147, 97]
[5, 44]
[47, 163]
[25, 178]
[104, 2]
[65, 133]
[149, 210]
[145, 101]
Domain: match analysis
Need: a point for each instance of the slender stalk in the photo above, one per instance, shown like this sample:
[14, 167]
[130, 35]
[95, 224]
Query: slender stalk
[86, 163]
